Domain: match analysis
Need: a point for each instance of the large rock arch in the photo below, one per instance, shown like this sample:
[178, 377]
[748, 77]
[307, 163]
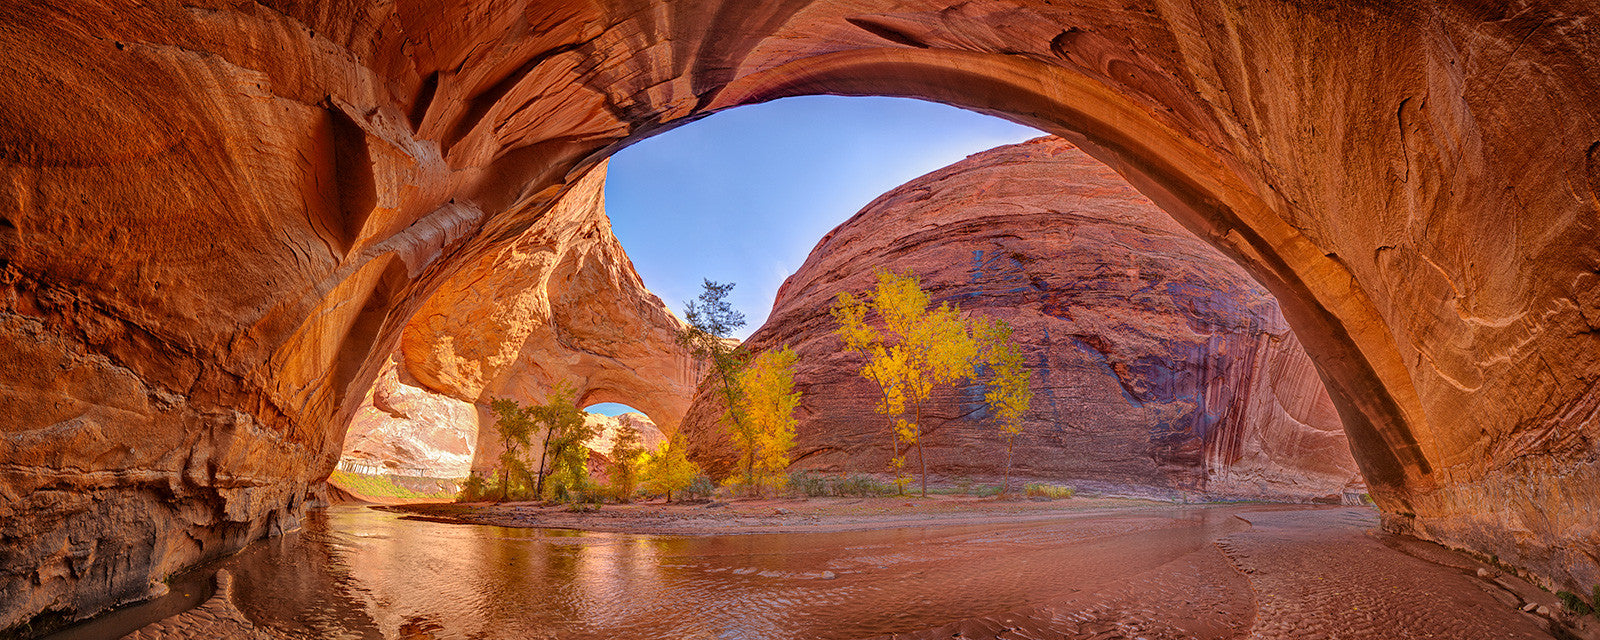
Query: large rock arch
[218, 217]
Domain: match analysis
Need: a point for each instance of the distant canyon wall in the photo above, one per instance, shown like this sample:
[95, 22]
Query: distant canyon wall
[1156, 362]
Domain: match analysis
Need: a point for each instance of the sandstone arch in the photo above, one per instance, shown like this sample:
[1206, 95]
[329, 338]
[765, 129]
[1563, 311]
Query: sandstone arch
[1415, 183]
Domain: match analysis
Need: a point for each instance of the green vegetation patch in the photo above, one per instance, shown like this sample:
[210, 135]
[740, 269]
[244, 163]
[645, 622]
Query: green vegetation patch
[390, 487]
[1039, 489]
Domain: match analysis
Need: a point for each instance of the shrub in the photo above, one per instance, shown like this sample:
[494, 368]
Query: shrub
[862, 487]
[963, 484]
[1574, 603]
[808, 485]
[1039, 489]
[700, 487]
[473, 490]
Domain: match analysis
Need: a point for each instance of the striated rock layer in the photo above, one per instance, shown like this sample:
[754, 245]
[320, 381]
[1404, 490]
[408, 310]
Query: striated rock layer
[1155, 361]
[404, 428]
[216, 218]
[562, 304]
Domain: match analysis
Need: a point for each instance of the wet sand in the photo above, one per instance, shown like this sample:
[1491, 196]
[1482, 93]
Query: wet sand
[1017, 570]
[776, 515]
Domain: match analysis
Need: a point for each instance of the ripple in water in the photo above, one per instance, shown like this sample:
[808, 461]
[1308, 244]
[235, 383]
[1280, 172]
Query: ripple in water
[359, 573]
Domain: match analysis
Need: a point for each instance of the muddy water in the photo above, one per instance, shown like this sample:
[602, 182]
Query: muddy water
[1198, 572]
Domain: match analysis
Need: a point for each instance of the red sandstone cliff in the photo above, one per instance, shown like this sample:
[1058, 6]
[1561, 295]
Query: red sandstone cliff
[1156, 361]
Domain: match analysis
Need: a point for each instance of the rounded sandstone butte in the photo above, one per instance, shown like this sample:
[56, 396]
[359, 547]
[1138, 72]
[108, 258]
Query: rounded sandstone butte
[217, 220]
[1156, 362]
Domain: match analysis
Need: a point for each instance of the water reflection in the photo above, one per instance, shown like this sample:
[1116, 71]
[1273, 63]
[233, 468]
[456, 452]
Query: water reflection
[355, 573]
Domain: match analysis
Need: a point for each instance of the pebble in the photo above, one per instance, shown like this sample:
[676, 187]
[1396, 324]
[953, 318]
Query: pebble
[1483, 573]
[1530, 607]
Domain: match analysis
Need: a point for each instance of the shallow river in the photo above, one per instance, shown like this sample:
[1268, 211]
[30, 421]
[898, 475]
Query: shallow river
[354, 572]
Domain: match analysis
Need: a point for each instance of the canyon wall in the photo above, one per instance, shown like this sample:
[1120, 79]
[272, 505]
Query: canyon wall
[560, 305]
[404, 428]
[219, 217]
[1158, 366]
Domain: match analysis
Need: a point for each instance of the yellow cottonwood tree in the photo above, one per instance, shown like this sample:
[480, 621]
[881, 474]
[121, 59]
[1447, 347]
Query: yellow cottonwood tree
[918, 350]
[514, 424]
[883, 368]
[1010, 385]
[670, 468]
[769, 401]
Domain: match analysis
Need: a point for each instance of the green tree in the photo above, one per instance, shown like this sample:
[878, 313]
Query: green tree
[563, 455]
[626, 458]
[514, 424]
[769, 403]
[710, 324]
[670, 469]
[1010, 385]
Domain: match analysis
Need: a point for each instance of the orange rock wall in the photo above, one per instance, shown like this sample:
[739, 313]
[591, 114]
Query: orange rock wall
[1158, 366]
[407, 429]
[217, 217]
[560, 304]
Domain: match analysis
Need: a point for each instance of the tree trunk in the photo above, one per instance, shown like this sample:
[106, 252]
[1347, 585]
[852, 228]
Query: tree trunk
[1005, 482]
[724, 364]
[505, 475]
[544, 449]
[920, 459]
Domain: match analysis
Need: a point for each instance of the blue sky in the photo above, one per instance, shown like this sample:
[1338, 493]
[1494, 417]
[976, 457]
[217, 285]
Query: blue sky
[745, 194]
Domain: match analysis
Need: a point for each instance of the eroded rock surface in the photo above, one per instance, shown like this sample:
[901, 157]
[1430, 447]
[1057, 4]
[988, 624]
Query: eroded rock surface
[560, 305]
[219, 216]
[1155, 361]
[650, 436]
[406, 429]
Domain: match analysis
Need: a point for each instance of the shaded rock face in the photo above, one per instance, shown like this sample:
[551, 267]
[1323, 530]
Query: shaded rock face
[219, 217]
[1155, 361]
[407, 429]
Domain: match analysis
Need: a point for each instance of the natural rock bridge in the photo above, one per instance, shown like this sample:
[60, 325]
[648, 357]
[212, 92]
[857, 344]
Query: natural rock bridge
[220, 217]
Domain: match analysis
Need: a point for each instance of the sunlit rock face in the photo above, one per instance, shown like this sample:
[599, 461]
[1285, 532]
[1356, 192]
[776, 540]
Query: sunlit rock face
[406, 429]
[1157, 363]
[606, 430]
[560, 306]
[219, 217]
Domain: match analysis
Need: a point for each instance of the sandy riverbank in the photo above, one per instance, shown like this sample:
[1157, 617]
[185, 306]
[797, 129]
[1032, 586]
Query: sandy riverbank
[775, 515]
